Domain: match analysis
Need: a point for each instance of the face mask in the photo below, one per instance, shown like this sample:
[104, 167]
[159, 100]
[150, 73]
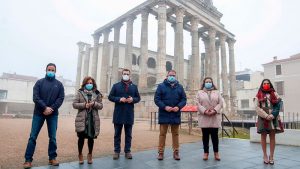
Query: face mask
[266, 86]
[89, 86]
[171, 79]
[125, 77]
[50, 74]
[208, 85]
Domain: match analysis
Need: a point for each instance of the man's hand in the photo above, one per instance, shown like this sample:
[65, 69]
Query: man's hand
[123, 100]
[175, 109]
[168, 108]
[48, 111]
[129, 99]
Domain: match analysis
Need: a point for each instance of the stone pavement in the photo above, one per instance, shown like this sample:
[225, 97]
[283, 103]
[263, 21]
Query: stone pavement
[235, 154]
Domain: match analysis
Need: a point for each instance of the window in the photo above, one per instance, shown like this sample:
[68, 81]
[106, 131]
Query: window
[278, 69]
[151, 63]
[168, 66]
[245, 103]
[279, 87]
[3, 94]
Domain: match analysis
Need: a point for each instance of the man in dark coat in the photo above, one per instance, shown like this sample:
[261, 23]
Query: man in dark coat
[124, 94]
[170, 98]
[48, 96]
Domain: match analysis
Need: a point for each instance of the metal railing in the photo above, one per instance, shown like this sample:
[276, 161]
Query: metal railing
[233, 131]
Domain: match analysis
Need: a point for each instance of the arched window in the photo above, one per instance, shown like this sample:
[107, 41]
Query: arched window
[151, 82]
[133, 59]
[168, 66]
[151, 63]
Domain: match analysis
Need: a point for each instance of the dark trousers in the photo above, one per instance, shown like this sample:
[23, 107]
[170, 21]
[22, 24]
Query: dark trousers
[128, 137]
[213, 132]
[81, 138]
[37, 124]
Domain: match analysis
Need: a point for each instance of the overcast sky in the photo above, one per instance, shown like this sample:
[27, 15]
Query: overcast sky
[34, 32]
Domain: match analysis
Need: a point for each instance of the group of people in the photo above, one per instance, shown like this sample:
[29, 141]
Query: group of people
[170, 97]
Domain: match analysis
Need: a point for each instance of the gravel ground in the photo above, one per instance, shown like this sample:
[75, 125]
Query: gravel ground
[15, 134]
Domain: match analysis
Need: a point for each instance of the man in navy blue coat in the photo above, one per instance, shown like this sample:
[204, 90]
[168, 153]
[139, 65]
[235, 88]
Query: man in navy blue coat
[124, 94]
[170, 98]
[48, 96]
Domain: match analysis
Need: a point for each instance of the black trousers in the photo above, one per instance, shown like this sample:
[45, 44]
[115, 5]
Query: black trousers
[128, 137]
[213, 132]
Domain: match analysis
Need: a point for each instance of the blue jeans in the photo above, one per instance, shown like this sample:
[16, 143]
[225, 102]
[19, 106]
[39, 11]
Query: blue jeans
[117, 137]
[37, 124]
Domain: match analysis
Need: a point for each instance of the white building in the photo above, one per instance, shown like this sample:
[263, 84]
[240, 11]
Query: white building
[248, 83]
[16, 93]
[285, 76]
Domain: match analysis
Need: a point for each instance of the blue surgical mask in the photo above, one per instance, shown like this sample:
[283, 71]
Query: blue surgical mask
[50, 74]
[171, 79]
[208, 85]
[89, 86]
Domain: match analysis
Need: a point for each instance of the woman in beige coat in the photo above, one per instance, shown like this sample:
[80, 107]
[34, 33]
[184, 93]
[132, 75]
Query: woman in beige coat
[88, 101]
[209, 103]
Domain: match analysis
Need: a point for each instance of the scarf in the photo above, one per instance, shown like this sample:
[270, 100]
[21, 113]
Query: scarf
[127, 83]
[261, 95]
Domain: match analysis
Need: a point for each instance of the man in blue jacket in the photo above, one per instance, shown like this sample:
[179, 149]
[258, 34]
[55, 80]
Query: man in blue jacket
[124, 94]
[48, 96]
[170, 98]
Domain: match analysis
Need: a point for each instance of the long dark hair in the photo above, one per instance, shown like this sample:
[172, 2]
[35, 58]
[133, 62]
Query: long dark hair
[213, 85]
[262, 93]
[86, 79]
[262, 83]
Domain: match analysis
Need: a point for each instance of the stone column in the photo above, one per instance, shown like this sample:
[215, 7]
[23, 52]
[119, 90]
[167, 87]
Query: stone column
[212, 51]
[232, 77]
[86, 62]
[105, 63]
[194, 75]
[178, 52]
[224, 71]
[161, 42]
[144, 50]
[79, 63]
[218, 63]
[129, 41]
[95, 55]
[207, 57]
[116, 58]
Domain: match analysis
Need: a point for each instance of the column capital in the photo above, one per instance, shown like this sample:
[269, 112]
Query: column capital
[80, 46]
[161, 2]
[96, 38]
[145, 12]
[88, 45]
[194, 23]
[179, 11]
[107, 31]
[212, 32]
[118, 25]
[231, 41]
[223, 37]
[130, 19]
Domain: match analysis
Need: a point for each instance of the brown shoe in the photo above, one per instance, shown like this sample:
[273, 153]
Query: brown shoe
[80, 158]
[53, 162]
[116, 156]
[27, 165]
[160, 156]
[176, 155]
[217, 156]
[128, 155]
[205, 156]
[90, 158]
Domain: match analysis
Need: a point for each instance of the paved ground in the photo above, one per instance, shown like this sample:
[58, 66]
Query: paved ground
[235, 154]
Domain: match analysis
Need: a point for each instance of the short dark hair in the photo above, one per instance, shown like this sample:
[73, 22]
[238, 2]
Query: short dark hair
[171, 71]
[51, 64]
[126, 70]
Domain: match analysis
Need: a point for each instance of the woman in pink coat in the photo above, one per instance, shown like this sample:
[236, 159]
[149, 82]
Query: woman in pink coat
[209, 103]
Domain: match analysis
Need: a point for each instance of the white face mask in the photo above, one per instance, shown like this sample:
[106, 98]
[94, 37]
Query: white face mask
[125, 77]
